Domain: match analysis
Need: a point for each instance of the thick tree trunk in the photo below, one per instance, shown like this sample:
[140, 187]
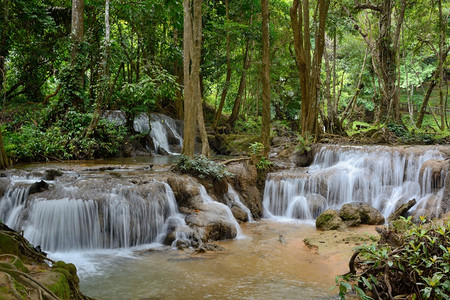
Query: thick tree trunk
[308, 67]
[228, 78]
[193, 113]
[265, 128]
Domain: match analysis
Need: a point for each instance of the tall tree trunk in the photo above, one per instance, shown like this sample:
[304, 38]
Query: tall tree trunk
[77, 35]
[385, 50]
[442, 31]
[308, 67]
[193, 113]
[4, 47]
[228, 78]
[265, 128]
[104, 76]
[238, 100]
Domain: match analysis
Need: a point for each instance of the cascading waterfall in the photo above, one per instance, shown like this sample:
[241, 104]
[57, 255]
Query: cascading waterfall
[383, 177]
[73, 218]
[207, 199]
[165, 132]
[233, 199]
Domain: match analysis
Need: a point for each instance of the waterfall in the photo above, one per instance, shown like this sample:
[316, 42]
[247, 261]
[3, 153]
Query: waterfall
[210, 201]
[165, 132]
[233, 199]
[383, 177]
[72, 218]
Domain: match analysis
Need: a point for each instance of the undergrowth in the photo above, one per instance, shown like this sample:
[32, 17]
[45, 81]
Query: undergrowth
[202, 167]
[417, 266]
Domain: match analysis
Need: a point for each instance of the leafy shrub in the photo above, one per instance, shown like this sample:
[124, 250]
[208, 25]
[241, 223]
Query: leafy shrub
[260, 161]
[64, 140]
[202, 167]
[417, 269]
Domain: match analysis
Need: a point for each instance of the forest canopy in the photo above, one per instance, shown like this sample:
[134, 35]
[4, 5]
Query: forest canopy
[333, 69]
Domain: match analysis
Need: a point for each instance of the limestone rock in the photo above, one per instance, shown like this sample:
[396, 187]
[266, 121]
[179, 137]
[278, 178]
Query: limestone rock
[245, 177]
[212, 222]
[239, 214]
[185, 188]
[361, 213]
[330, 220]
[350, 215]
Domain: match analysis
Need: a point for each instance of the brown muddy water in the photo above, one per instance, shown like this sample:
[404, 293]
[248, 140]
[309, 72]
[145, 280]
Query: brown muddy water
[264, 265]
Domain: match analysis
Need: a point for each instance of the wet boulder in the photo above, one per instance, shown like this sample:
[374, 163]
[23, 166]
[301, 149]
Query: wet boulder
[185, 189]
[240, 215]
[245, 176]
[38, 187]
[330, 220]
[360, 213]
[52, 174]
[212, 221]
[436, 171]
[4, 183]
[350, 215]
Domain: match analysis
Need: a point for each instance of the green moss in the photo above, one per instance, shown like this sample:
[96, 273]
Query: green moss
[8, 245]
[60, 285]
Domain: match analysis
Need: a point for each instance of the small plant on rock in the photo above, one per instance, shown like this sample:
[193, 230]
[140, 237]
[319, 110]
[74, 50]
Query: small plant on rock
[261, 162]
[202, 167]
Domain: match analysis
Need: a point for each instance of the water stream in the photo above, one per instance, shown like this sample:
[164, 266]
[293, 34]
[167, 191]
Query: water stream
[104, 218]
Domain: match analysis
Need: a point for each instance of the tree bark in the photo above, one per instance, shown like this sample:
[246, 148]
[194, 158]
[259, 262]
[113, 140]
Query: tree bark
[104, 77]
[265, 128]
[4, 163]
[228, 78]
[193, 113]
[308, 67]
[77, 35]
[238, 100]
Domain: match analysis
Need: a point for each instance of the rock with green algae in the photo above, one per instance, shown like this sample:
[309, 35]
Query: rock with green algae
[330, 220]
[25, 273]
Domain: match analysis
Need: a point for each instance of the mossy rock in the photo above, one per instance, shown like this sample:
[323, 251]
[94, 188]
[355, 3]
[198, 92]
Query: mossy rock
[58, 283]
[330, 220]
[8, 245]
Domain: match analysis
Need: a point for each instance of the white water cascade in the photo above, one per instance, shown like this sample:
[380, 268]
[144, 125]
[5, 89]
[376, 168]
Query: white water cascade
[383, 177]
[220, 206]
[232, 198]
[74, 218]
[165, 132]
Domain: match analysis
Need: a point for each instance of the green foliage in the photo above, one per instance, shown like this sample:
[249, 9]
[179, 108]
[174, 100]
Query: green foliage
[304, 145]
[251, 125]
[418, 268]
[261, 162]
[202, 167]
[63, 140]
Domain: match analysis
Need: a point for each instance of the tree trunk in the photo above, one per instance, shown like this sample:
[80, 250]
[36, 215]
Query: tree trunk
[265, 128]
[4, 163]
[77, 35]
[228, 78]
[4, 47]
[193, 113]
[237, 102]
[308, 67]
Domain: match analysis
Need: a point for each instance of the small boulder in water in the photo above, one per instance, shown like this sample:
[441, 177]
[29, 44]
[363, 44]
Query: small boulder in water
[38, 187]
[330, 220]
[52, 174]
[239, 214]
[350, 215]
